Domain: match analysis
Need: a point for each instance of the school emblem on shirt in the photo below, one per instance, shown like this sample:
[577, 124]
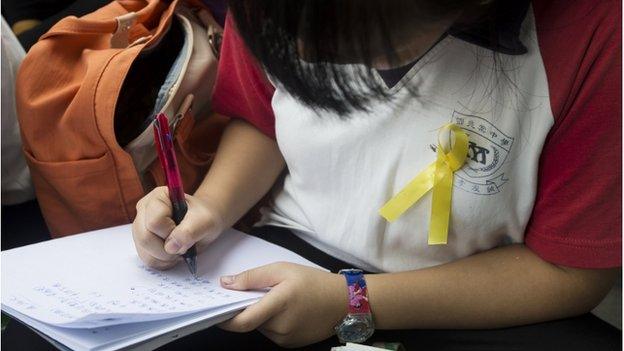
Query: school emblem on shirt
[488, 148]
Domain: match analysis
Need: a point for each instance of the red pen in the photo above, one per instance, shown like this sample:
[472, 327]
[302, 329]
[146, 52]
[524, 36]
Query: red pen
[166, 154]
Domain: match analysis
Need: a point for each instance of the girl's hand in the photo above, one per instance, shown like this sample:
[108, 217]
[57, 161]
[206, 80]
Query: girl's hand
[159, 242]
[302, 307]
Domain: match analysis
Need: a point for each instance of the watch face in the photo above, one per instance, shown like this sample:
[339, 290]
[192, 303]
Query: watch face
[355, 328]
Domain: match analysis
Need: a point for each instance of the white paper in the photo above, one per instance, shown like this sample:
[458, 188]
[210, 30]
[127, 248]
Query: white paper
[96, 279]
[120, 336]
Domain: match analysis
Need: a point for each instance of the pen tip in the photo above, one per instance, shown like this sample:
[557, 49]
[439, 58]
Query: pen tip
[192, 265]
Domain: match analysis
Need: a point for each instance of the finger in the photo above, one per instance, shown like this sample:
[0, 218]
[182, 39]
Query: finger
[257, 278]
[154, 246]
[272, 304]
[148, 241]
[196, 226]
[153, 262]
[157, 213]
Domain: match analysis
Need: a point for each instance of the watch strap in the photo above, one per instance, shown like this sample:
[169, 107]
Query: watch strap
[358, 292]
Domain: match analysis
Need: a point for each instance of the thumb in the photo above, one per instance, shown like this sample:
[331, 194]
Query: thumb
[253, 279]
[201, 222]
[187, 233]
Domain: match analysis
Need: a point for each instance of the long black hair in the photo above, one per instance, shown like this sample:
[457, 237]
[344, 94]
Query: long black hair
[301, 43]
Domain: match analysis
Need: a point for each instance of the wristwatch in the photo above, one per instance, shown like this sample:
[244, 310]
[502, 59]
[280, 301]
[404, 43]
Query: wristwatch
[358, 325]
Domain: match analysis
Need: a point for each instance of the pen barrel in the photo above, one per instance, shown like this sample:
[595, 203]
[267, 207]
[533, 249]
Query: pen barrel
[179, 211]
[190, 253]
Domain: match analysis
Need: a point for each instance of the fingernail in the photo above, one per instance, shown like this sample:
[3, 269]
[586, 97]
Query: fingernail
[172, 246]
[227, 280]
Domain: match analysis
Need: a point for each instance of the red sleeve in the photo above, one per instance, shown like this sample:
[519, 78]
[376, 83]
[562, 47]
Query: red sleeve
[577, 217]
[241, 88]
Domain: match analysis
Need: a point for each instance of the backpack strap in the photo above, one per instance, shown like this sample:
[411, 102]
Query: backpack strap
[118, 18]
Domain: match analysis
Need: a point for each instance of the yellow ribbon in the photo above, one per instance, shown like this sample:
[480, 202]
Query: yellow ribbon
[439, 176]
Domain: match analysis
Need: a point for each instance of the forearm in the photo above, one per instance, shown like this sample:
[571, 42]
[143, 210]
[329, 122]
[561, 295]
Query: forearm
[502, 287]
[246, 166]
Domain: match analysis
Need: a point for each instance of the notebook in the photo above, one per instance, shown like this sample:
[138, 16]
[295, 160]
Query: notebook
[92, 292]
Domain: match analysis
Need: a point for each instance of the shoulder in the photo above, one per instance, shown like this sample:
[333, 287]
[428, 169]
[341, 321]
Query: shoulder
[578, 40]
[242, 89]
[576, 218]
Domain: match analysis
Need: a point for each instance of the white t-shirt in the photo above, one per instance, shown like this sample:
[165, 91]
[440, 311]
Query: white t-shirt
[342, 171]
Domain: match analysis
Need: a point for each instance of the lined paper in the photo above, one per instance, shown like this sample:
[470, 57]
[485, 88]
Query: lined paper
[97, 280]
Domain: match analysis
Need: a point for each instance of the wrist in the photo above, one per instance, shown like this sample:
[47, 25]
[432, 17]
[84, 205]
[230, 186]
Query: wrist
[215, 208]
[378, 296]
[338, 297]
[228, 205]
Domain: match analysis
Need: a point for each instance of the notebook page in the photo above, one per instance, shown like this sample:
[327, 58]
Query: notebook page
[119, 336]
[96, 279]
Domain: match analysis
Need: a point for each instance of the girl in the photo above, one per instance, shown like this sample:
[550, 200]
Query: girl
[347, 99]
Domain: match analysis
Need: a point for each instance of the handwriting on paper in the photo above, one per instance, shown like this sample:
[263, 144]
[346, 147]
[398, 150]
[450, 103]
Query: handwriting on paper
[158, 293]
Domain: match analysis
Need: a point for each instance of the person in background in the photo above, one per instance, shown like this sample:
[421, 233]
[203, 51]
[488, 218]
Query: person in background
[16, 183]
